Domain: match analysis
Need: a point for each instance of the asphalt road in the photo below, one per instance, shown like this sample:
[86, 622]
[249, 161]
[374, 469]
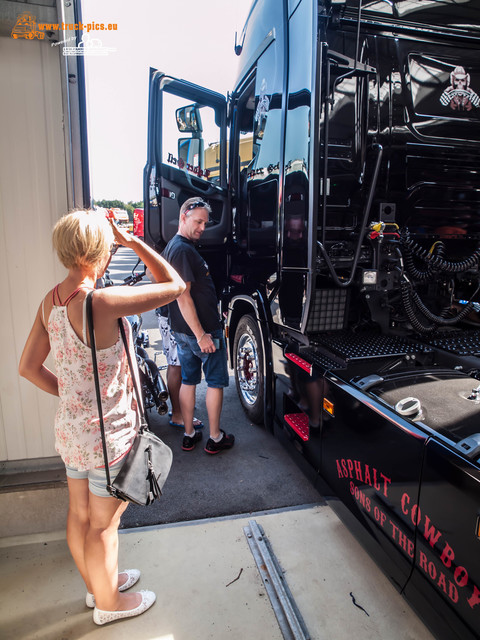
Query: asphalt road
[258, 474]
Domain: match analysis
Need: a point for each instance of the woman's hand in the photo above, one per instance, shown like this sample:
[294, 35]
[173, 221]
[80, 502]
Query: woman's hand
[115, 302]
[122, 236]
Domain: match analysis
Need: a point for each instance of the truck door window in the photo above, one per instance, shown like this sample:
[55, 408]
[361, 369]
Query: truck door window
[246, 149]
[291, 294]
[297, 142]
[259, 129]
[190, 138]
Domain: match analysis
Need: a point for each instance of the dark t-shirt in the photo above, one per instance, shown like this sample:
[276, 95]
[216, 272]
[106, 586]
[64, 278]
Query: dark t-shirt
[182, 255]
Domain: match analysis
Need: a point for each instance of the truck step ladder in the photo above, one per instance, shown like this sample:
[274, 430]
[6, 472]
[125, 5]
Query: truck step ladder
[299, 423]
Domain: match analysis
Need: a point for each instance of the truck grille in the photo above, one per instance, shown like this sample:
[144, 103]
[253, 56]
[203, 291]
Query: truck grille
[328, 310]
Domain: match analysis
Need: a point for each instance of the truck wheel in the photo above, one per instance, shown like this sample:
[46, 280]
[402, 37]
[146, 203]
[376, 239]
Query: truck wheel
[248, 352]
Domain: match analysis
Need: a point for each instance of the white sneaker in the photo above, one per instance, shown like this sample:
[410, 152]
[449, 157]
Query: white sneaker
[103, 617]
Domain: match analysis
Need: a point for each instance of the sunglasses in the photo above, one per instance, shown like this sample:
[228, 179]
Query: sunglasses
[200, 204]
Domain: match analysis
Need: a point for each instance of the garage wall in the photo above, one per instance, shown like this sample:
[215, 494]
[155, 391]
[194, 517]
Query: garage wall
[33, 195]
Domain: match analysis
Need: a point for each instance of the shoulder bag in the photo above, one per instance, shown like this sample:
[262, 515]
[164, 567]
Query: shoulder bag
[147, 464]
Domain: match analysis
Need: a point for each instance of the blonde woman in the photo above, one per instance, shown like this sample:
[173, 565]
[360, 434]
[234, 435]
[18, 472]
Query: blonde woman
[84, 241]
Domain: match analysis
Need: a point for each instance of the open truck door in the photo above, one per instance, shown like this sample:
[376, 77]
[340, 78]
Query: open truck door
[187, 157]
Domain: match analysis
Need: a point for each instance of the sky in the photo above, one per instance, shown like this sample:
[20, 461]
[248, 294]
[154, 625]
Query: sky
[185, 38]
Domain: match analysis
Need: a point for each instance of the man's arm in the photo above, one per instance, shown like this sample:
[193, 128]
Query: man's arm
[189, 313]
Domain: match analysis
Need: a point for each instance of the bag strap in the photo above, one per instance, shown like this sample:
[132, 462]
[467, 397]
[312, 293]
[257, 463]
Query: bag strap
[133, 372]
[97, 382]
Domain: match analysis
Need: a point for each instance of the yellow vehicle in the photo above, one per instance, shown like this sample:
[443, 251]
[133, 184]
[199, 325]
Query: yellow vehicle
[212, 155]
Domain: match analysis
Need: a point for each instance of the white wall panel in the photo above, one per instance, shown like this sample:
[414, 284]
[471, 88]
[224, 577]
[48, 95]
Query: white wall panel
[33, 195]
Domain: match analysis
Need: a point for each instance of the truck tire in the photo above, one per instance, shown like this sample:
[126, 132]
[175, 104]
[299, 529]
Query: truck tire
[249, 359]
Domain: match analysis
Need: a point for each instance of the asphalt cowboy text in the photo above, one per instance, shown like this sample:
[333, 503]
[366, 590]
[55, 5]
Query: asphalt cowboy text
[461, 587]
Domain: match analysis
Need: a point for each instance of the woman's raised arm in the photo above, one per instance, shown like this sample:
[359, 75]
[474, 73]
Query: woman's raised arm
[123, 301]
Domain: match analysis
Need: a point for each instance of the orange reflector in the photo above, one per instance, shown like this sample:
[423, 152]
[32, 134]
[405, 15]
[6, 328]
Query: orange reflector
[328, 406]
[478, 528]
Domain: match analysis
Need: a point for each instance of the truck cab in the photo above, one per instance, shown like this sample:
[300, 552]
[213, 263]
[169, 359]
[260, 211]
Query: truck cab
[342, 172]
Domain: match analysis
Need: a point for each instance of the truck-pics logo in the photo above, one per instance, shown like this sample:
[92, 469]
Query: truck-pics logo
[26, 27]
[88, 46]
[459, 96]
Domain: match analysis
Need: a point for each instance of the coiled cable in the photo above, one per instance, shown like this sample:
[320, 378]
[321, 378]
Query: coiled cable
[435, 259]
[413, 304]
[418, 326]
[415, 273]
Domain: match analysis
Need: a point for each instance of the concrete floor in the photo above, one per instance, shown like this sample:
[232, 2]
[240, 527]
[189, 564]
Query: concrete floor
[193, 567]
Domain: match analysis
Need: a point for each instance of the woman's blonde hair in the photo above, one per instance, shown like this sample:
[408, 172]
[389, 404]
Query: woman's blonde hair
[82, 238]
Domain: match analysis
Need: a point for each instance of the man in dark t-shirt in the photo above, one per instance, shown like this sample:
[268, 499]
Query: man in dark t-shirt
[195, 322]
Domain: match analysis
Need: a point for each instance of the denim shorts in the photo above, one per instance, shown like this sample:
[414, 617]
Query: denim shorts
[97, 478]
[192, 359]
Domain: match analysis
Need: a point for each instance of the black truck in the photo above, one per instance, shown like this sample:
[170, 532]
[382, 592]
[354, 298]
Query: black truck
[343, 172]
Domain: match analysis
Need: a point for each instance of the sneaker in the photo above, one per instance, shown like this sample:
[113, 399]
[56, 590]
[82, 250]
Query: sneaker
[189, 443]
[226, 442]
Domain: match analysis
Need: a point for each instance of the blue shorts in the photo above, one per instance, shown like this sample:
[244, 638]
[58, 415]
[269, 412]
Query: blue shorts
[192, 359]
[97, 479]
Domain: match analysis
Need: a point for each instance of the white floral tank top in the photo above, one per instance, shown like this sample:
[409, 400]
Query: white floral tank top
[77, 426]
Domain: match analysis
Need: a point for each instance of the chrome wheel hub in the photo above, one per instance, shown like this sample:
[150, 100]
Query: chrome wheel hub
[247, 368]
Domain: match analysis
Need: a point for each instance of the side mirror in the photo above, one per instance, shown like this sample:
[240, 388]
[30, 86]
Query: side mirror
[188, 119]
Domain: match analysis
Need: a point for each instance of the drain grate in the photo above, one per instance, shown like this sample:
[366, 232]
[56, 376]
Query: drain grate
[288, 616]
